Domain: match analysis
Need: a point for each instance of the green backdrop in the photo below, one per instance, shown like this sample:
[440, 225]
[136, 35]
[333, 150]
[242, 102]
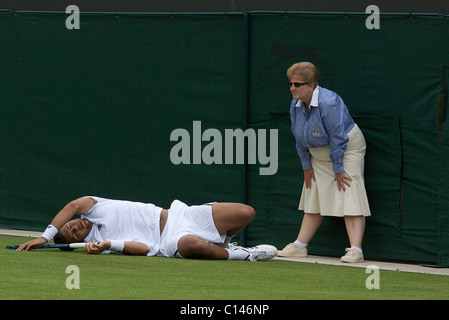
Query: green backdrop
[90, 112]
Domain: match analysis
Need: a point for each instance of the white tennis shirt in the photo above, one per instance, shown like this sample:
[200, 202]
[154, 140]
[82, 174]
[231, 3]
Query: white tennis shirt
[126, 221]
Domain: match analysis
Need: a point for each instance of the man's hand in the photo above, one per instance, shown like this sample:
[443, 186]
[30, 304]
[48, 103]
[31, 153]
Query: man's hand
[33, 244]
[96, 248]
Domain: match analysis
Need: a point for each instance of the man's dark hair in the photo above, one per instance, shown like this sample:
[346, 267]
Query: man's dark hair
[60, 239]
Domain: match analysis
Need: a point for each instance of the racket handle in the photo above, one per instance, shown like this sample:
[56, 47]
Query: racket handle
[77, 245]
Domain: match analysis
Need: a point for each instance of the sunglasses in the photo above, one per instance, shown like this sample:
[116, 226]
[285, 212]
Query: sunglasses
[298, 84]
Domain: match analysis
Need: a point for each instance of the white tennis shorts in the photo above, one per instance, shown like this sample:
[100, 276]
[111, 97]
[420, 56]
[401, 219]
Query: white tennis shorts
[188, 220]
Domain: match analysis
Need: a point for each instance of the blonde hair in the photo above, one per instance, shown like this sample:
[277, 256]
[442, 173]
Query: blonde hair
[306, 70]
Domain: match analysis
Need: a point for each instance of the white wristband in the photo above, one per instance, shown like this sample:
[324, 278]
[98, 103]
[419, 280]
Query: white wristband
[50, 232]
[117, 245]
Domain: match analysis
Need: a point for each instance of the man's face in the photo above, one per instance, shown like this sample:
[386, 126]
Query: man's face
[76, 230]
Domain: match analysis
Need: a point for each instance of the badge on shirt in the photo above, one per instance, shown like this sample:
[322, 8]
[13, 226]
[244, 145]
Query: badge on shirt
[316, 131]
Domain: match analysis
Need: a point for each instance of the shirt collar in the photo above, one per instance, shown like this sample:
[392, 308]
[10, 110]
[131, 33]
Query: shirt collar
[314, 101]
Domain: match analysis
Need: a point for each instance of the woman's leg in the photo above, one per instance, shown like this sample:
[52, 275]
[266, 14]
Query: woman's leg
[355, 226]
[309, 226]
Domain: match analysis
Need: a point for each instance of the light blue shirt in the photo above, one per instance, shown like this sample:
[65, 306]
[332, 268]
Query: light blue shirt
[327, 123]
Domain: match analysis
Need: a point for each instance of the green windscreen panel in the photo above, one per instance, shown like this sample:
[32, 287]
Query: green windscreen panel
[443, 164]
[91, 111]
[390, 80]
[137, 107]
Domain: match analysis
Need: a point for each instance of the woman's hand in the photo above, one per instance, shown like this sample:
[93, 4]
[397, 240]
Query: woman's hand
[342, 179]
[308, 176]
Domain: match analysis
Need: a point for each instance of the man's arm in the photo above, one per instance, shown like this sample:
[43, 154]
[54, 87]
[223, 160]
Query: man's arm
[129, 247]
[75, 207]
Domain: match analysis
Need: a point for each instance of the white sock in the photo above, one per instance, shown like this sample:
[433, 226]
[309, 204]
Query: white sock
[225, 244]
[300, 244]
[357, 248]
[227, 241]
[237, 254]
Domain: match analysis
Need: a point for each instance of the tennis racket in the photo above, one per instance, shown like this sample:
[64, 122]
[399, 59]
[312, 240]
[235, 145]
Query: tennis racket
[47, 246]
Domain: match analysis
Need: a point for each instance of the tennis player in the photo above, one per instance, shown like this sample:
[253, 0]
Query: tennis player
[135, 228]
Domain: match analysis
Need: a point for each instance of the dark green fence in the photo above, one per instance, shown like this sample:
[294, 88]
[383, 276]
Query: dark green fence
[91, 112]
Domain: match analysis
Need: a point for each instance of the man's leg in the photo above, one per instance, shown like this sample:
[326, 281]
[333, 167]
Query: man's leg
[232, 218]
[229, 219]
[193, 247]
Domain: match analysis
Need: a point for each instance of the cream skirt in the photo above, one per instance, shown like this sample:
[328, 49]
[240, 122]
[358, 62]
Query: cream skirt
[323, 197]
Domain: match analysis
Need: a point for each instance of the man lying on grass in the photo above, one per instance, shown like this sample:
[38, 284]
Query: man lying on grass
[135, 228]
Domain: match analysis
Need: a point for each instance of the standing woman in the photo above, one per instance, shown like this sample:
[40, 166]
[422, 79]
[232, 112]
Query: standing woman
[332, 151]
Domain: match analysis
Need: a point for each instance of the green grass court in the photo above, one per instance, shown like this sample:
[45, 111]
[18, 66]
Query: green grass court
[41, 274]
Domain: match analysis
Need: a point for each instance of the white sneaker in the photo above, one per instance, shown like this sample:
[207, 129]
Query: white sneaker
[262, 252]
[233, 245]
[292, 250]
[352, 256]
